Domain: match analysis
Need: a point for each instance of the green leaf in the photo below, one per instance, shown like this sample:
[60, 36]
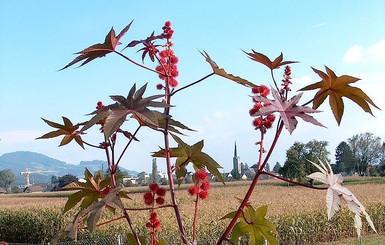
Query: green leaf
[186, 154]
[221, 72]
[92, 213]
[131, 239]
[171, 123]
[254, 223]
[73, 199]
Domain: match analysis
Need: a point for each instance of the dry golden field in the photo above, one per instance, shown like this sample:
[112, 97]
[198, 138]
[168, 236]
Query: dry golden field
[282, 201]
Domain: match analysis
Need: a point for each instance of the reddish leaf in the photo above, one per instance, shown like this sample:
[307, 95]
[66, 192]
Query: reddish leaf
[115, 115]
[336, 88]
[67, 129]
[100, 49]
[221, 72]
[263, 59]
[288, 110]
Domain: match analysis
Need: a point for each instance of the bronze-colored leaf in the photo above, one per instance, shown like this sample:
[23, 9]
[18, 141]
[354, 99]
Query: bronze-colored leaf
[100, 49]
[221, 72]
[263, 59]
[335, 88]
[67, 129]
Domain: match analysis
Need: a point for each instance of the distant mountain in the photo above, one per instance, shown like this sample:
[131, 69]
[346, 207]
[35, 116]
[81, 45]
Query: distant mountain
[21, 160]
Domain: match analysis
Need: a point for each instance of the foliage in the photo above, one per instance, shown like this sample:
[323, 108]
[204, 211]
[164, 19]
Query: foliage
[336, 88]
[367, 149]
[254, 223]
[66, 180]
[154, 112]
[345, 159]
[296, 165]
[32, 226]
[7, 178]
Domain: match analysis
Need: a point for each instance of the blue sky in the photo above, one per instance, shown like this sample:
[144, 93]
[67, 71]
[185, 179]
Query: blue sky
[38, 38]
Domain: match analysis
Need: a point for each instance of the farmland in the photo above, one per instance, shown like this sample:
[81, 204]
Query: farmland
[287, 205]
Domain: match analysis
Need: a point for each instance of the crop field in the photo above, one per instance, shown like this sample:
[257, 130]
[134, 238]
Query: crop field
[289, 207]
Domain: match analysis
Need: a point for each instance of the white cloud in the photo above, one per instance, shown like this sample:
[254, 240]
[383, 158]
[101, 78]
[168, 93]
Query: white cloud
[20, 136]
[377, 51]
[359, 54]
[354, 54]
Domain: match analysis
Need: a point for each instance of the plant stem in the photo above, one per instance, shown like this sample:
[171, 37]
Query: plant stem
[272, 77]
[136, 63]
[251, 188]
[128, 143]
[195, 219]
[191, 84]
[169, 165]
[293, 182]
[131, 227]
[315, 97]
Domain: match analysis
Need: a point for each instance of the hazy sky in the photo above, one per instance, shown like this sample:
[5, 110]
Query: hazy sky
[37, 38]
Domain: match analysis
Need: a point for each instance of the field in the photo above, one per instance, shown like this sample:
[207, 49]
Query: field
[288, 205]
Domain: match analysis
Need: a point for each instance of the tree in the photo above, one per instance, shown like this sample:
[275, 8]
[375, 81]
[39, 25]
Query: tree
[154, 173]
[367, 149]
[277, 167]
[66, 179]
[142, 178]
[7, 178]
[345, 160]
[297, 165]
[294, 167]
[54, 180]
[267, 167]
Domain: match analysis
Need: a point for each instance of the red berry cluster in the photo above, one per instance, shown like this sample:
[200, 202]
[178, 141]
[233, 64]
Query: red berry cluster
[202, 186]
[168, 70]
[167, 31]
[261, 123]
[151, 198]
[154, 223]
[286, 81]
[99, 105]
[155, 195]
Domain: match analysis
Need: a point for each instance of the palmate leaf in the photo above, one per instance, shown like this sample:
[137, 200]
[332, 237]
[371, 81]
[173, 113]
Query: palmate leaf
[172, 124]
[288, 110]
[263, 59]
[67, 129]
[92, 213]
[100, 49]
[335, 88]
[89, 192]
[134, 104]
[221, 72]
[254, 223]
[186, 154]
[336, 193]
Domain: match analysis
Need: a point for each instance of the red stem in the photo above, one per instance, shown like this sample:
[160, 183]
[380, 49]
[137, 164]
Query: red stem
[169, 165]
[294, 182]
[195, 219]
[251, 188]
[136, 63]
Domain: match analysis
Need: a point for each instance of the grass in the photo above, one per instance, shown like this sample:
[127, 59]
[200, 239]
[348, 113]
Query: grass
[367, 240]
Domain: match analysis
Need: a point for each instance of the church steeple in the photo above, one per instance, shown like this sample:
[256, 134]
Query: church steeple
[235, 150]
[237, 168]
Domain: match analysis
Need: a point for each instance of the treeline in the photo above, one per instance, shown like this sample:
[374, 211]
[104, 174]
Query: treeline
[362, 154]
